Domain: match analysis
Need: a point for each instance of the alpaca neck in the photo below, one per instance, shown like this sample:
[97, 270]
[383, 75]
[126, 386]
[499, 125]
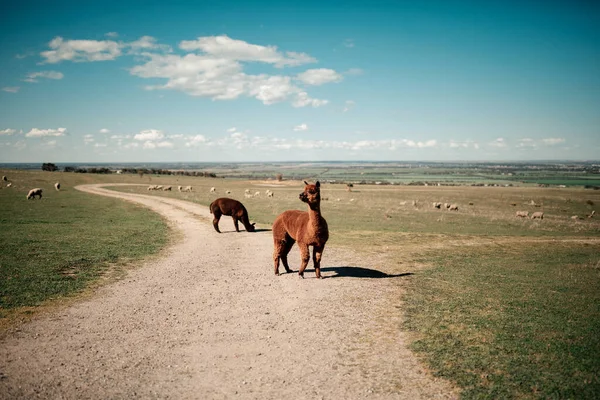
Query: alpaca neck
[314, 214]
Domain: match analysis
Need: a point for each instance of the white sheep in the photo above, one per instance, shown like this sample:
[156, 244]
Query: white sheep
[453, 207]
[575, 217]
[187, 189]
[179, 188]
[247, 195]
[213, 189]
[166, 188]
[34, 192]
[57, 186]
[10, 184]
[4, 178]
[257, 194]
[247, 191]
[589, 216]
[437, 205]
[538, 214]
[158, 187]
[228, 192]
[270, 194]
[522, 214]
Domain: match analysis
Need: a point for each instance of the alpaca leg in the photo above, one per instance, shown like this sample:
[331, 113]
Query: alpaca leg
[305, 256]
[317, 253]
[278, 248]
[287, 246]
[235, 223]
[216, 220]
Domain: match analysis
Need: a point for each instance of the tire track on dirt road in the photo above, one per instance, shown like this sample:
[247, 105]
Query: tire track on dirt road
[209, 320]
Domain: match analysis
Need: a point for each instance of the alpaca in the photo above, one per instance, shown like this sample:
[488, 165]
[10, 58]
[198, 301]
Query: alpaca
[233, 208]
[308, 228]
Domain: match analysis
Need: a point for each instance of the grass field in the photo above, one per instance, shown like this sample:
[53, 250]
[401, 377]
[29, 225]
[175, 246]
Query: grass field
[501, 306]
[59, 245]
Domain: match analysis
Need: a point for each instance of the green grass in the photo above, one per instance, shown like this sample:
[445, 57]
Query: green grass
[511, 321]
[57, 246]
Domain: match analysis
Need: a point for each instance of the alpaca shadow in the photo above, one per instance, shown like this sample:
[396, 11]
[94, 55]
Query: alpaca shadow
[360, 272]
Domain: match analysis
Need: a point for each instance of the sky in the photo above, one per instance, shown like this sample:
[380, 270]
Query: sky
[245, 81]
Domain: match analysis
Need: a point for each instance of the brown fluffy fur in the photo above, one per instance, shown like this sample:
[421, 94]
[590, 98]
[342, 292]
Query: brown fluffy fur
[308, 228]
[233, 208]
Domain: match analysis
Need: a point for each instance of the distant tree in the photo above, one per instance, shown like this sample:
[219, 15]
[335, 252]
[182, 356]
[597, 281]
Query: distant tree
[279, 177]
[49, 167]
[70, 169]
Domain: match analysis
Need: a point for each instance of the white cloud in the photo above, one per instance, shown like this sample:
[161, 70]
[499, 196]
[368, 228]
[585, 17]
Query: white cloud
[319, 76]
[526, 142]
[81, 50]
[348, 43]
[104, 130]
[499, 142]
[43, 74]
[8, 132]
[149, 135]
[217, 73]
[553, 141]
[302, 100]
[349, 105]
[464, 144]
[231, 129]
[46, 132]
[354, 72]
[88, 139]
[301, 127]
[100, 145]
[11, 89]
[111, 35]
[50, 143]
[158, 145]
[196, 140]
[223, 47]
[145, 43]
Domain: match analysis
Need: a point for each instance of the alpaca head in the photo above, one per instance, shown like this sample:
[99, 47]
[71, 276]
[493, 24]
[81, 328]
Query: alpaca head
[251, 227]
[311, 193]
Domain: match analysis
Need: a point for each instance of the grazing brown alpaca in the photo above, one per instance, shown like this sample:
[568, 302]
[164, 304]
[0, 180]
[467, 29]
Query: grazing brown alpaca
[308, 228]
[233, 208]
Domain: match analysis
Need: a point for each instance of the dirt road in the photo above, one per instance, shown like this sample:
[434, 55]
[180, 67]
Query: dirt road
[209, 320]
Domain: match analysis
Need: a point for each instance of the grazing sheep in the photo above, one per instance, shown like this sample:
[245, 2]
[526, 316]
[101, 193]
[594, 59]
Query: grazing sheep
[57, 186]
[248, 195]
[228, 192]
[158, 187]
[537, 214]
[513, 204]
[437, 205]
[589, 216]
[213, 190]
[233, 208]
[256, 194]
[4, 178]
[575, 217]
[247, 191]
[471, 203]
[522, 214]
[167, 188]
[414, 203]
[180, 188]
[269, 193]
[34, 192]
[447, 205]
[308, 228]
[187, 189]
[453, 207]
[10, 184]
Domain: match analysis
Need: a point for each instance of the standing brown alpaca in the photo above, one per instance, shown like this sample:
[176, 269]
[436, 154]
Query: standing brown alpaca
[308, 228]
[233, 208]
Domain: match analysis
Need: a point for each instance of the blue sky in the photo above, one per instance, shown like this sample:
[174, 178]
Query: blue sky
[299, 81]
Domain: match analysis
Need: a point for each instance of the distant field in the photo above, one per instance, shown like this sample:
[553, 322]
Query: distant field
[502, 306]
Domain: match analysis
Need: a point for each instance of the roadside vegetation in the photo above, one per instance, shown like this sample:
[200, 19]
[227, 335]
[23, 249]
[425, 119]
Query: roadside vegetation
[504, 307]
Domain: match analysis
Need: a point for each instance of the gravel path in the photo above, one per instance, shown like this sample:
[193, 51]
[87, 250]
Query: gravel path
[209, 320]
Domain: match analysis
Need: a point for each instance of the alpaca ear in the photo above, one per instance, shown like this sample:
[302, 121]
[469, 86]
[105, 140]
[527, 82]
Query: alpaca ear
[306, 183]
[318, 184]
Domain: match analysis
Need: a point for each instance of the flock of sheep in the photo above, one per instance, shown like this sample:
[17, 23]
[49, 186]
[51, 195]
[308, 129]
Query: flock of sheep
[168, 188]
[37, 192]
